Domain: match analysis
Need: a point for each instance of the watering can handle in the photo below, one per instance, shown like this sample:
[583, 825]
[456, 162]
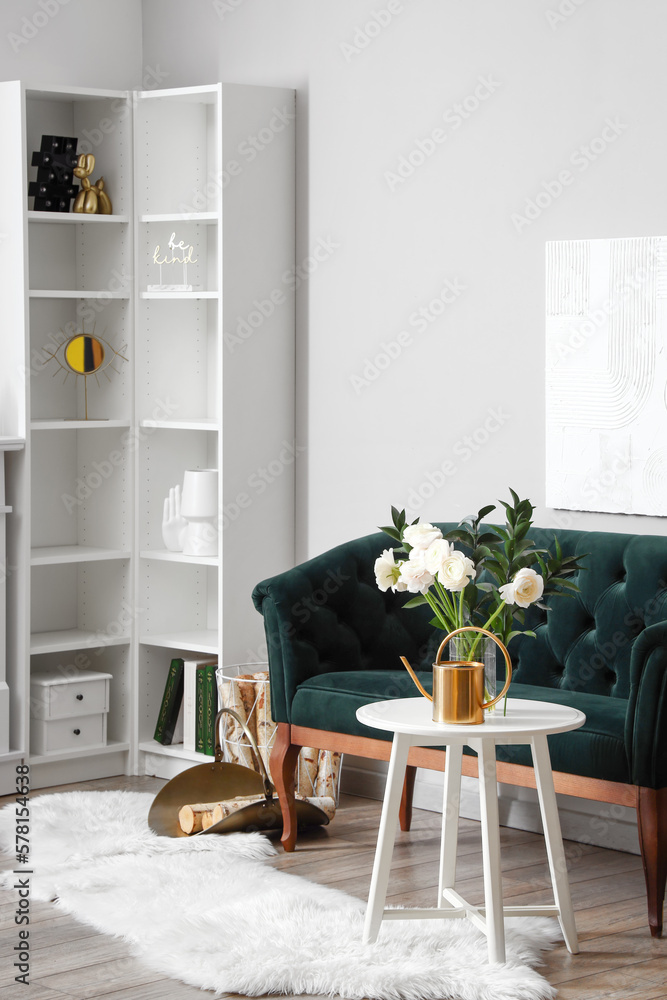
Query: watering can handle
[268, 788]
[458, 631]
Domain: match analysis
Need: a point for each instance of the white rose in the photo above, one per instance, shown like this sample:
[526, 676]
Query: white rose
[526, 588]
[436, 553]
[420, 536]
[414, 573]
[387, 571]
[456, 571]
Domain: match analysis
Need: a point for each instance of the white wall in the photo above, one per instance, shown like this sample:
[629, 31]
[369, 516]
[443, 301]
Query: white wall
[556, 82]
[557, 72]
[81, 43]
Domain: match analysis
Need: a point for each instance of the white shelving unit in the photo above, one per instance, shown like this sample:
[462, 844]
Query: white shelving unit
[94, 584]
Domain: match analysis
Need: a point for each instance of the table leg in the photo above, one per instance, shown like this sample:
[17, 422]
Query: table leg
[386, 837]
[493, 884]
[554, 841]
[450, 819]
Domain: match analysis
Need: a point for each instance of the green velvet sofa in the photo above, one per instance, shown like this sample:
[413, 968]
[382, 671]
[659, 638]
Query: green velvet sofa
[334, 643]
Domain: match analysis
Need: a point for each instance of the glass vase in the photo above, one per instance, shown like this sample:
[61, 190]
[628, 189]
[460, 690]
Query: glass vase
[481, 649]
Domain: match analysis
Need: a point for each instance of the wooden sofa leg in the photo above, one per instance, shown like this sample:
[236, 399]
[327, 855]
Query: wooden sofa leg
[405, 812]
[652, 824]
[284, 756]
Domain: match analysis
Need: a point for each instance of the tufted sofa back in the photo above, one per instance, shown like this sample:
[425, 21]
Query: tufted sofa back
[328, 615]
[585, 643]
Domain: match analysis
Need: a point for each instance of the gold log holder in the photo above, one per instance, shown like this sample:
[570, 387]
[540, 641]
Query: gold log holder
[220, 780]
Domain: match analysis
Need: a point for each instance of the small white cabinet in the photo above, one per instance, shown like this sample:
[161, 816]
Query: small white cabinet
[94, 587]
[68, 713]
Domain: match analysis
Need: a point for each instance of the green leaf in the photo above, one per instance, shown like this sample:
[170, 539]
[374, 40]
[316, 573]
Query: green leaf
[392, 532]
[512, 634]
[487, 537]
[486, 587]
[415, 602]
[514, 496]
[559, 551]
[504, 534]
[436, 623]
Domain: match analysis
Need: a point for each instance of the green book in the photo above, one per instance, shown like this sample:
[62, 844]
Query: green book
[200, 711]
[171, 703]
[210, 707]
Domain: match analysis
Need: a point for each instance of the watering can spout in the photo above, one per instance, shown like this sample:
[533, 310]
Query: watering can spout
[415, 678]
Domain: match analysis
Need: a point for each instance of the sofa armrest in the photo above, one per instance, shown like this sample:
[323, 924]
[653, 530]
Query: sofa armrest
[646, 723]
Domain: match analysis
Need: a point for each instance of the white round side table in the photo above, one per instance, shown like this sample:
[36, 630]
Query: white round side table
[530, 722]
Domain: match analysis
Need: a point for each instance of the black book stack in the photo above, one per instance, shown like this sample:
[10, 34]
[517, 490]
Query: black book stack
[55, 185]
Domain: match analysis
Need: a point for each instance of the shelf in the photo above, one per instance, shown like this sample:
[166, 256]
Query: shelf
[178, 295]
[174, 750]
[48, 758]
[165, 555]
[5, 510]
[186, 95]
[76, 217]
[76, 425]
[206, 218]
[11, 443]
[204, 641]
[73, 638]
[7, 758]
[181, 425]
[76, 293]
[54, 555]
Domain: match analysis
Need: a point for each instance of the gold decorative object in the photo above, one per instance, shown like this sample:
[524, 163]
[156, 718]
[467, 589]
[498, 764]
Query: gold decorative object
[85, 354]
[216, 782]
[458, 685]
[92, 199]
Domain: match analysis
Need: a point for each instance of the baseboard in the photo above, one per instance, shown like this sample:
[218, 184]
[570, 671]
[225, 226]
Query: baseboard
[582, 820]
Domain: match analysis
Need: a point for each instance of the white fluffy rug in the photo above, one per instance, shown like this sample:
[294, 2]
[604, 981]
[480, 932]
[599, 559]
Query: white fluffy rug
[211, 912]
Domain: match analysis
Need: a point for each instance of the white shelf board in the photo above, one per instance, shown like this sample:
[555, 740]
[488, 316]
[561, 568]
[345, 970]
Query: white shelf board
[165, 555]
[76, 293]
[76, 425]
[7, 758]
[187, 95]
[55, 93]
[11, 443]
[207, 218]
[54, 555]
[5, 510]
[181, 425]
[72, 638]
[109, 747]
[178, 295]
[202, 641]
[75, 217]
[174, 750]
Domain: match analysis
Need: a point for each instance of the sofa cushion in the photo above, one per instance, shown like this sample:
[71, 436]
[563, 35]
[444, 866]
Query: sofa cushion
[330, 702]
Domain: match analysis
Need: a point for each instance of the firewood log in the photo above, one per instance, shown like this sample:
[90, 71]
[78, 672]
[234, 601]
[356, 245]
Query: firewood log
[328, 769]
[236, 746]
[307, 771]
[224, 809]
[266, 727]
[249, 695]
[196, 817]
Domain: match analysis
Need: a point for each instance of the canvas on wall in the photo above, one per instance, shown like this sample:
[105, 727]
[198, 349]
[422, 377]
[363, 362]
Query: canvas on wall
[606, 375]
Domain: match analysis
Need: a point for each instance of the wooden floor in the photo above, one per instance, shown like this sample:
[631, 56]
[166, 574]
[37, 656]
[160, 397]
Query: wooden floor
[618, 958]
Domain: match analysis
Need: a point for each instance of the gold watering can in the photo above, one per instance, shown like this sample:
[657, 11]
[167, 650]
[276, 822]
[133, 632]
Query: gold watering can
[458, 685]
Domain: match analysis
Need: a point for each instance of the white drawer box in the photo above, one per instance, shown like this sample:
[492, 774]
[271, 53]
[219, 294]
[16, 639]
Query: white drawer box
[51, 735]
[53, 696]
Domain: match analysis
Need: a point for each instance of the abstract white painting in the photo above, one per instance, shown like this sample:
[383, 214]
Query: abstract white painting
[606, 375]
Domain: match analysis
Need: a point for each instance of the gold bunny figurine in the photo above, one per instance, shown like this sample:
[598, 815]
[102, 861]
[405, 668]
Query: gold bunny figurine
[92, 199]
